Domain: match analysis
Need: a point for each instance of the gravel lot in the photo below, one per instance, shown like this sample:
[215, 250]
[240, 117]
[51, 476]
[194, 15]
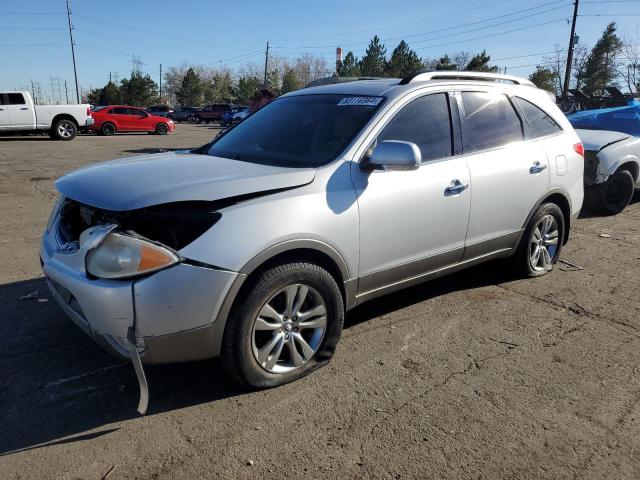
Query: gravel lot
[477, 375]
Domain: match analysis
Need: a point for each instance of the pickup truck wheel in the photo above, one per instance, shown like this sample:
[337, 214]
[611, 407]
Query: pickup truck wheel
[64, 129]
[285, 326]
[612, 196]
[108, 129]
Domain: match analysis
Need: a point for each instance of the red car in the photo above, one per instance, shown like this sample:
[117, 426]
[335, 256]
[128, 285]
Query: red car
[122, 118]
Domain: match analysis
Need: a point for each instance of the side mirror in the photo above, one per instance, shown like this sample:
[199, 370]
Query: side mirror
[395, 155]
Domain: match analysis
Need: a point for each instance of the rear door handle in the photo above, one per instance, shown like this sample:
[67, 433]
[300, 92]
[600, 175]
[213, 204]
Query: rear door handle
[456, 187]
[537, 167]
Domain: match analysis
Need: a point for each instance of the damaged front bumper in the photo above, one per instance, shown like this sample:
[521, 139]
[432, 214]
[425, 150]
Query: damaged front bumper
[164, 317]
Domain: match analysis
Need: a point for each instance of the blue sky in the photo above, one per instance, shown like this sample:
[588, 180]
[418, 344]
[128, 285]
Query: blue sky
[34, 42]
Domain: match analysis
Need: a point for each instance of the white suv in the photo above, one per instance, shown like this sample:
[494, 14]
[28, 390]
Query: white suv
[253, 246]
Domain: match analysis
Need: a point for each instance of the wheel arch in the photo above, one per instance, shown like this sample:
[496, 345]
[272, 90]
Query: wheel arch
[633, 166]
[560, 198]
[64, 116]
[313, 251]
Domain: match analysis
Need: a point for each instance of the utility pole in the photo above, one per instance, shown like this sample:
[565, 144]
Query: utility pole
[33, 93]
[266, 62]
[567, 72]
[73, 51]
[66, 91]
[160, 83]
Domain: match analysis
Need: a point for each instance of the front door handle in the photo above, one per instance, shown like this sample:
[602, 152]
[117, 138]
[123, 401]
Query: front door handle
[537, 167]
[24, 108]
[456, 187]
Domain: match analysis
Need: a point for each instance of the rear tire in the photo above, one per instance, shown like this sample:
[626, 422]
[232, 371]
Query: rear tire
[541, 243]
[108, 128]
[64, 130]
[612, 196]
[263, 350]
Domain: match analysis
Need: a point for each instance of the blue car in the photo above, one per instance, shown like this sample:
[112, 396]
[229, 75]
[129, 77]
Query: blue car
[234, 115]
[620, 119]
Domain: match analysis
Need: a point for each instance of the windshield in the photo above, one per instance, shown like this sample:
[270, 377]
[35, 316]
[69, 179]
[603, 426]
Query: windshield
[297, 131]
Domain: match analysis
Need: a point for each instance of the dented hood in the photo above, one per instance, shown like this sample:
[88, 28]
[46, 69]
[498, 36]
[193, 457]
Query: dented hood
[596, 140]
[147, 180]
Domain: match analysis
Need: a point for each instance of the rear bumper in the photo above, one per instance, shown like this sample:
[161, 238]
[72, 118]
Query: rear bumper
[174, 311]
[89, 121]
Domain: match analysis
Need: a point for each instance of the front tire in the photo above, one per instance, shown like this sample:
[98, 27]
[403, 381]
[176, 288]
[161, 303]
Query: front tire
[541, 243]
[613, 196]
[285, 326]
[64, 130]
[162, 129]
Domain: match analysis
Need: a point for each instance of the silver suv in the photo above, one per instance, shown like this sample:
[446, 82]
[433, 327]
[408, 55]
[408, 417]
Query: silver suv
[253, 246]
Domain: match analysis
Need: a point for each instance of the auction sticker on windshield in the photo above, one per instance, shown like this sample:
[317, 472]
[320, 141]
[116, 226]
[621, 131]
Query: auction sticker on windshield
[360, 101]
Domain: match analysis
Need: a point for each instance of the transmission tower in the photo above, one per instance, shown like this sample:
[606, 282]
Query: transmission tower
[136, 63]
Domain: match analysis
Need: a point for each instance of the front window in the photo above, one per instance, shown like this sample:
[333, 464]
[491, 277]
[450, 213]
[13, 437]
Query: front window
[297, 131]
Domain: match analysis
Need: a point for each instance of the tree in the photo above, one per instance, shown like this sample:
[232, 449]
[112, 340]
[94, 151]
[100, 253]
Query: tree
[222, 87]
[350, 66]
[445, 63]
[290, 82]
[600, 68]
[139, 90]
[107, 95]
[556, 63]
[307, 68]
[247, 86]
[374, 62]
[544, 78]
[480, 63]
[630, 70]
[191, 90]
[404, 62]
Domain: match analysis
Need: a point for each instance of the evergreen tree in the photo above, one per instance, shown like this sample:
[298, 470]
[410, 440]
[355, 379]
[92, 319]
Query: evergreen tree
[107, 95]
[222, 87]
[191, 90]
[290, 82]
[445, 63]
[600, 68]
[247, 86]
[350, 66]
[374, 62]
[404, 62]
[480, 63]
[544, 78]
[139, 90]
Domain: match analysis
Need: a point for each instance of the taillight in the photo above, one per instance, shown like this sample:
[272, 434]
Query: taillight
[89, 111]
[579, 149]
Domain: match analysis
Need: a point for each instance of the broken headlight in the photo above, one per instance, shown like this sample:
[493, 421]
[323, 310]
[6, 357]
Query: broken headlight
[124, 256]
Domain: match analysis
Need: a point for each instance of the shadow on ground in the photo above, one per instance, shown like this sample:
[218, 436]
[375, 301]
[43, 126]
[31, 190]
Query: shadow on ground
[59, 387]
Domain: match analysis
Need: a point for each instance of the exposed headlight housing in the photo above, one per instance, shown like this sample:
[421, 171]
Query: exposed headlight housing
[124, 256]
[54, 212]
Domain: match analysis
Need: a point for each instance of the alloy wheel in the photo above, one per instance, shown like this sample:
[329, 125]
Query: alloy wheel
[544, 243]
[289, 328]
[66, 129]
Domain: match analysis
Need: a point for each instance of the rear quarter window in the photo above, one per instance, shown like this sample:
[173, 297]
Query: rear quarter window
[541, 123]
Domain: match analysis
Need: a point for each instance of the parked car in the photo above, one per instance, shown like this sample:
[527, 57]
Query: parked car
[253, 246]
[212, 113]
[624, 119]
[184, 114]
[18, 113]
[160, 110]
[611, 170]
[234, 115]
[123, 118]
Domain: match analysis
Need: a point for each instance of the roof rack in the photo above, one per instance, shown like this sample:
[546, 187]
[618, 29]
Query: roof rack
[334, 79]
[454, 75]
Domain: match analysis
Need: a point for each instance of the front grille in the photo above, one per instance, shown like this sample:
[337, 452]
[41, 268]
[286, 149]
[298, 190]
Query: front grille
[173, 224]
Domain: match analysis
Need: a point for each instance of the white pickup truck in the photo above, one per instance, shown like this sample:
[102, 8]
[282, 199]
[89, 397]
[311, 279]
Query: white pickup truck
[19, 114]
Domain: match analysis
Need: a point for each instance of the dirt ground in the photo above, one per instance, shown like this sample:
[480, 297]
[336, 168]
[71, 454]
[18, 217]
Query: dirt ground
[478, 375]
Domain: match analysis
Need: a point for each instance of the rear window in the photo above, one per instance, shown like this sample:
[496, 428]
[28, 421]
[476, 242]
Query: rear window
[490, 121]
[540, 123]
[16, 99]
